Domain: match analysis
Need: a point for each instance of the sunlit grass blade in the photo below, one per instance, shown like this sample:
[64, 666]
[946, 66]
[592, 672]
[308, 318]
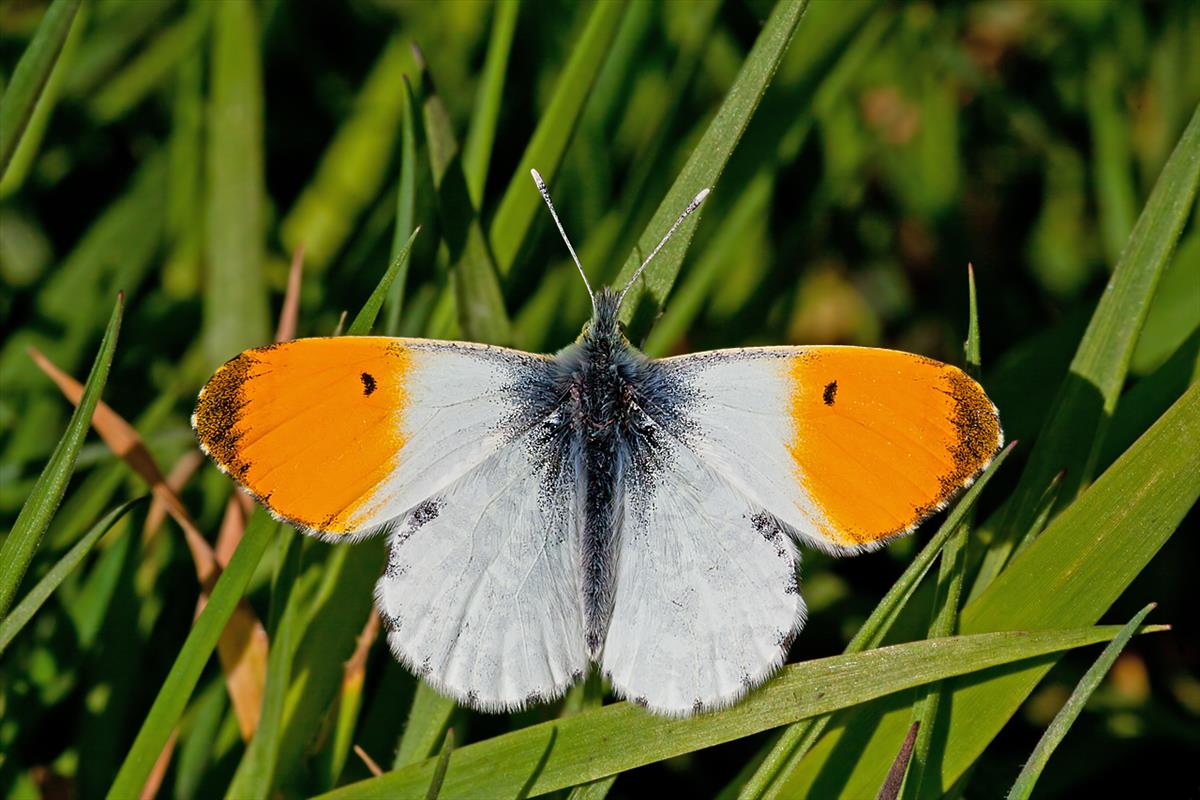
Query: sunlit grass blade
[477, 150]
[797, 739]
[31, 74]
[256, 771]
[235, 299]
[549, 142]
[365, 319]
[40, 593]
[177, 689]
[562, 753]
[1067, 715]
[1074, 430]
[1069, 575]
[593, 790]
[708, 160]
[22, 541]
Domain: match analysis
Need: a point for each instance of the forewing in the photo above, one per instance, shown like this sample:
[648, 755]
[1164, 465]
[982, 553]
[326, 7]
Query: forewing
[849, 446]
[345, 435]
[481, 592]
[706, 598]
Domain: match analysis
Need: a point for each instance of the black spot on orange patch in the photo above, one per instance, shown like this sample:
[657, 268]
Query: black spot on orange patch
[830, 393]
[368, 382]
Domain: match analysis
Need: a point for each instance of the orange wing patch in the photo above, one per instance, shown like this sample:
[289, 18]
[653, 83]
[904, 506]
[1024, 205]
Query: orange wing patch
[310, 427]
[882, 439]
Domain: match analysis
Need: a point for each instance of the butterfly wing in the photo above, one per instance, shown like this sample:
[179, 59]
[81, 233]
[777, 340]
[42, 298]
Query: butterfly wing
[849, 446]
[481, 593]
[346, 435]
[739, 452]
[706, 601]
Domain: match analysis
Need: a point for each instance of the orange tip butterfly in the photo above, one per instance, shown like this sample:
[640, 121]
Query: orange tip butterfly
[546, 513]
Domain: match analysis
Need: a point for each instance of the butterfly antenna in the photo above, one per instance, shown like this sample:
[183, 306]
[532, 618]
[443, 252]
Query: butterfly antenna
[692, 206]
[541, 185]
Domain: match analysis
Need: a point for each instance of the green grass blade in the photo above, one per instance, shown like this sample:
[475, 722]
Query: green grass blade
[40, 593]
[708, 160]
[364, 320]
[406, 204]
[428, 719]
[593, 790]
[31, 74]
[235, 298]
[477, 150]
[152, 68]
[566, 753]
[545, 150]
[439, 768]
[22, 541]
[1069, 575]
[255, 774]
[1066, 716]
[1074, 430]
[181, 681]
[479, 302]
[796, 740]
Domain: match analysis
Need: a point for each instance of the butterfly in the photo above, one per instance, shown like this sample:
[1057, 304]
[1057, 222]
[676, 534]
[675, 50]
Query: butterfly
[547, 513]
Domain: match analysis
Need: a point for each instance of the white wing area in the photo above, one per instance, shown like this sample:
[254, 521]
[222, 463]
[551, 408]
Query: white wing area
[706, 596]
[463, 403]
[739, 415]
[481, 592]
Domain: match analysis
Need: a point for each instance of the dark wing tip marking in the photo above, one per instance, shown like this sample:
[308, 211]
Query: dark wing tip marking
[830, 393]
[219, 410]
[368, 382]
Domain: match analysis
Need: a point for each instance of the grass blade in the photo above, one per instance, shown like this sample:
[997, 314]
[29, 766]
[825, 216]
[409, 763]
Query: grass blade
[477, 150]
[545, 150]
[22, 541]
[31, 74]
[364, 320]
[1069, 575]
[255, 773]
[1074, 431]
[40, 593]
[235, 299]
[566, 753]
[476, 288]
[708, 160]
[412, 164]
[428, 718]
[1074, 706]
[177, 689]
[439, 769]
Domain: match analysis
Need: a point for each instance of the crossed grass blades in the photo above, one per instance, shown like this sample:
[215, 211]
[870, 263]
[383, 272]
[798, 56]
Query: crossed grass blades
[109, 618]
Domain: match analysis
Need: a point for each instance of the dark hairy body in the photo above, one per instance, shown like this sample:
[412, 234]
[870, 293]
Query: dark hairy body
[605, 408]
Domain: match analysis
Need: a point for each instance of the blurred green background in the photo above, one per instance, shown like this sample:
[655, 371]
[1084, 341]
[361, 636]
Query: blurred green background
[182, 150]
